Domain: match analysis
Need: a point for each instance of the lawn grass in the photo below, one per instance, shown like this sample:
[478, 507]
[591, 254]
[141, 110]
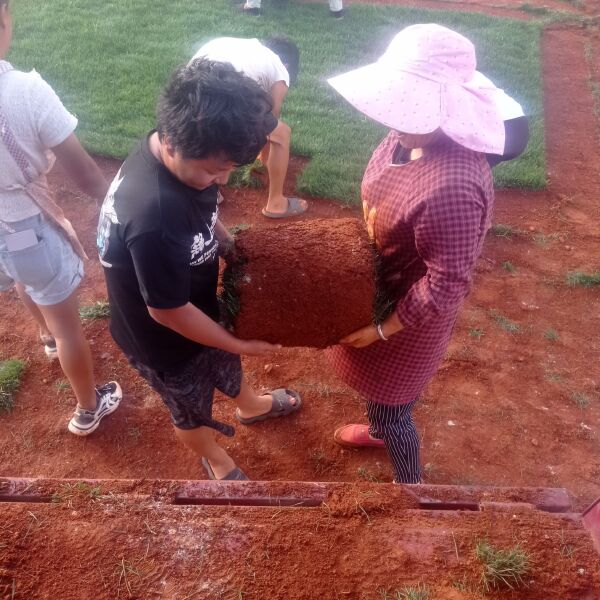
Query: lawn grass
[10, 379]
[108, 60]
[502, 568]
[580, 278]
[97, 310]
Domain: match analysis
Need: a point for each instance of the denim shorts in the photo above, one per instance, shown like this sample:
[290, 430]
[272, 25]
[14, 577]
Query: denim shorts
[50, 270]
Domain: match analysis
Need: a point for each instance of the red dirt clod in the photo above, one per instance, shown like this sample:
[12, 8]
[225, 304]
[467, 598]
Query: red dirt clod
[308, 283]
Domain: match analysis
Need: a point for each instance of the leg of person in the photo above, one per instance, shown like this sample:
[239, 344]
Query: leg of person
[264, 154]
[395, 426]
[73, 350]
[277, 162]
[251, 7]
[252, 407]
[187, 390]
[93, 403]
[201, 441]
[336, 9]
[45, 335]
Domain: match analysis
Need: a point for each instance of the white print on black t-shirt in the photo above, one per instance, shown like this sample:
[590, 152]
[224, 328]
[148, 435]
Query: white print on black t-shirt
[205, 247]
[108, 217]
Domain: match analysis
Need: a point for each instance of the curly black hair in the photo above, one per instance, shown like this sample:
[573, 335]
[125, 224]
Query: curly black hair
[209, 109]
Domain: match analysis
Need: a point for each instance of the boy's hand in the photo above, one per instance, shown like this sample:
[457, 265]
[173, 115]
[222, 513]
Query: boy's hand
[257, 348]
[228, 251]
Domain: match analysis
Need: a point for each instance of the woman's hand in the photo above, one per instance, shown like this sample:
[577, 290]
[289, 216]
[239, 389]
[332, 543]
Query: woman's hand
[361, 338]
[365, 336]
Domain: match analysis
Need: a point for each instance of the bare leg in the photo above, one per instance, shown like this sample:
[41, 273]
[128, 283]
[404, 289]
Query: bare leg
[277, 164]
[73, 350]
[32, 307]
[202, 440]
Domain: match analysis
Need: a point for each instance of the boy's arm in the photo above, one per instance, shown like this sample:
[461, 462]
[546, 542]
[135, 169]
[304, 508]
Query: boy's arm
[222, 233]
[190, 322]
[163, 273]
[80, 166]
[516, 138]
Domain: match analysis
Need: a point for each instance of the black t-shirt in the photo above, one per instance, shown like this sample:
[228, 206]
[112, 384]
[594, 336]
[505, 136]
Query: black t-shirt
[157, 245]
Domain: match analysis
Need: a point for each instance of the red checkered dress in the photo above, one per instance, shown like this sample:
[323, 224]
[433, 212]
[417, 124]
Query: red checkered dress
[429, 218]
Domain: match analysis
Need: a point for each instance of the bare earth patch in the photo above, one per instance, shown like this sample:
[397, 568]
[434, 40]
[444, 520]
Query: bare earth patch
[516, 403]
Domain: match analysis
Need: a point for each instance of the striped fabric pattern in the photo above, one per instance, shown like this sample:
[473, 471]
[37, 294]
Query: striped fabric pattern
[395, 426]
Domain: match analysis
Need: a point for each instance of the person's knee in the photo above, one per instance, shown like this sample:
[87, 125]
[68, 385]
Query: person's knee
[281, 135]
[286, 130]
[63, 320]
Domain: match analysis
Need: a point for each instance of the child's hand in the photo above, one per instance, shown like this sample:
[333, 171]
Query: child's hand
[258, 348]
[228, 252]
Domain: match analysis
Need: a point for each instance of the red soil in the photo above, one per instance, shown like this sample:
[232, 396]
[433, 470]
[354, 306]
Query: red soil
[508, 395]
[304, 284]
[112, 540]
[506, 408]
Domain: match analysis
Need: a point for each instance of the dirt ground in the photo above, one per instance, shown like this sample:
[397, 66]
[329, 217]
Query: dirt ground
[509, 407]
[505, 408]
[117, 540]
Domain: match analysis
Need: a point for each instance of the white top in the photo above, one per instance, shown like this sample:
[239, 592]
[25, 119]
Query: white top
[509, 107]
[249, 57]
[39, 121]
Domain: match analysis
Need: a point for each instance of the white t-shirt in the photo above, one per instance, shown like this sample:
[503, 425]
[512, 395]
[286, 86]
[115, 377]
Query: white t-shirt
[39, 121]
[249, 57]
[509, 107]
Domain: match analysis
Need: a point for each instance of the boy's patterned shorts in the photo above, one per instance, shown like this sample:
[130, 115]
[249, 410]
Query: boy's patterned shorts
[188, 390]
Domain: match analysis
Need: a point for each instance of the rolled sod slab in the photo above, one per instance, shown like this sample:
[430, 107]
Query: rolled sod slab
[308, 283]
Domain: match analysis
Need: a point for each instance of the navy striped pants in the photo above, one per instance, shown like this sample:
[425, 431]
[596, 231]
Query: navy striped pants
[395, 426]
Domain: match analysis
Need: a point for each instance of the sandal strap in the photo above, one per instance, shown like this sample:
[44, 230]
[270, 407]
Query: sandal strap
[281, 396]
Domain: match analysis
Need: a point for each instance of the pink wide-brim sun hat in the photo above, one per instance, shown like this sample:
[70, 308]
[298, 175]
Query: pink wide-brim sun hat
[424, 82]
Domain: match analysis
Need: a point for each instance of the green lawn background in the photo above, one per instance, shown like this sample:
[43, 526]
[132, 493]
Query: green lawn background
[108, 60]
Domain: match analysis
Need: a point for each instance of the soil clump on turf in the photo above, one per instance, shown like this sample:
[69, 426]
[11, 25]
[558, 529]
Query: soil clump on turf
[302, 284]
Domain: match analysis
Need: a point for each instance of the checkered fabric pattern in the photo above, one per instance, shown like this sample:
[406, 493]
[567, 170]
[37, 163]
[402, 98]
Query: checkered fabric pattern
[7, 136]
[428, 218]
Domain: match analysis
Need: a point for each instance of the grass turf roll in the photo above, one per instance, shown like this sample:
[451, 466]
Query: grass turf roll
[307, 283]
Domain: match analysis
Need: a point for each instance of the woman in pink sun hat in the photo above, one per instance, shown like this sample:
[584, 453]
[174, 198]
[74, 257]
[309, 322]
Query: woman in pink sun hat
[427, 197]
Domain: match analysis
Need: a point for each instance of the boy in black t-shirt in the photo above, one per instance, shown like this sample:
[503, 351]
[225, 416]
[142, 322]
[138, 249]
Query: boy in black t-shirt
[158, 239]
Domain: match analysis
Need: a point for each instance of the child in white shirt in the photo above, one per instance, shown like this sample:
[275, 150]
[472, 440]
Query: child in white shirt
[274, 64]
[39, 251]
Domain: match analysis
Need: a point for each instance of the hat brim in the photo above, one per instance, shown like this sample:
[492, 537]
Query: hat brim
[404, 101]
